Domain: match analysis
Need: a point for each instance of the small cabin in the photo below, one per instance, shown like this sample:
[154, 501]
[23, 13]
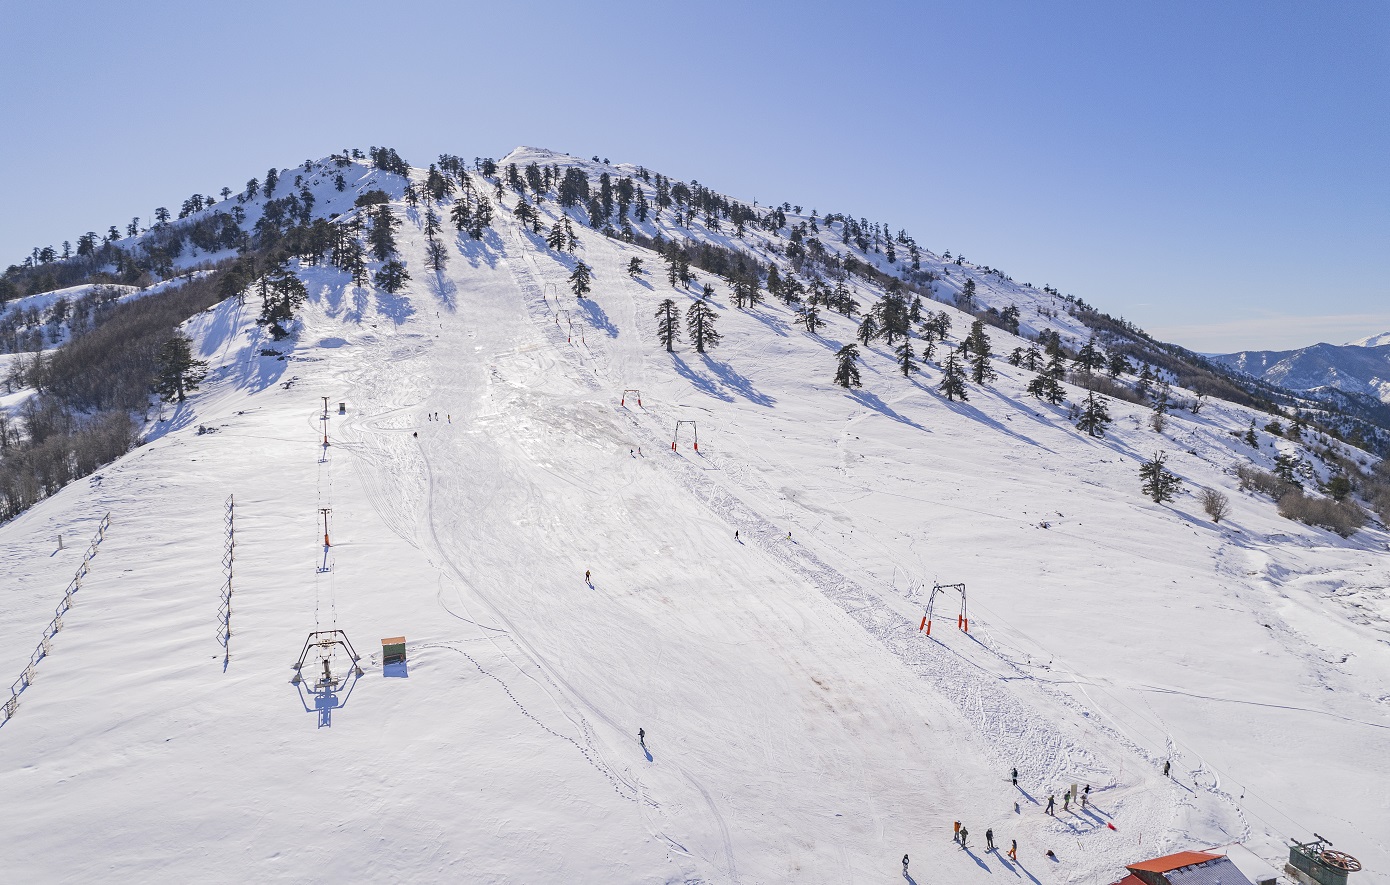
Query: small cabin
[1185, 868]
[393, 650]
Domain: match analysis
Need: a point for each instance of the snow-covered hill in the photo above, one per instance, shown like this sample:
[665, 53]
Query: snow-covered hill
[799, 726]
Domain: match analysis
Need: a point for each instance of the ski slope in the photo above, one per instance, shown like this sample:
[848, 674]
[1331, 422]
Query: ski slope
[799, 726]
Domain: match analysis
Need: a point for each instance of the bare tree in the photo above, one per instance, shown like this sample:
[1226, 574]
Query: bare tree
[1217, 505]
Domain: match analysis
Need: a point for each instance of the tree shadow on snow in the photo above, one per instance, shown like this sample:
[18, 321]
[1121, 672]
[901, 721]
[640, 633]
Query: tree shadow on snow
[701, 383]
[396, 308]
[484, 251]
[597, 317]
[776, 325]
[965, 410]
[871, 401]
[737, 382]
[442, 289]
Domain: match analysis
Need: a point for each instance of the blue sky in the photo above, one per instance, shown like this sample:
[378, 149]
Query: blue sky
[1216, 172]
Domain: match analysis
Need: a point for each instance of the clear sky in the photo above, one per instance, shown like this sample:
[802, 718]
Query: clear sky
[1218, 173]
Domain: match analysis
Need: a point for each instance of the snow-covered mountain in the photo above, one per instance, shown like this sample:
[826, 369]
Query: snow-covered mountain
[1361, 367]
[513, 485]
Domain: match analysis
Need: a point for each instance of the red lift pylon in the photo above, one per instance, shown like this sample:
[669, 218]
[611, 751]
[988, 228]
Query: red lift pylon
[694, 429]
[325, 511]
[635, 392]
[962, 619]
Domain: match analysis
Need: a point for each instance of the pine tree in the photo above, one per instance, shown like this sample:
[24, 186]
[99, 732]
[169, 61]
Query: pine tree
[980, 370]
[953, 378]
[1089, 358]
[179, 374]
[668, 327]
[868, 329]
[482, 218]
[383, 237]
[282, 293]
[1095, 415]
[462, 214]
[1251, 439]
[966, 300]
[392, 277]
[1046, 387]
[1016, 357]
[1118, 365]
[556, 239]
[634, 267]
[1032, 359]
[907, 360]
[1158, 483]
[579, 279]
[699, 324]
[846, 372]
[809, 316]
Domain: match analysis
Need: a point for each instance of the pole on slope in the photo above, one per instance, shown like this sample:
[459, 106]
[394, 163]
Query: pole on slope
[324, 419]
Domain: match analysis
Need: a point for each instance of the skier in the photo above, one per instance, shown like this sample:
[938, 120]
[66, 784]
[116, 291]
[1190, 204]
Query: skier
[1086, 796]
[1066, 801]
[955, 833]
[904, 864]
[735, 534]
[1013, 849]
[963, 833]
[1051, 804]
[989, 839]
[416, 434]
[1167, 766]
[1050, 855]
[1015, 775]
[586, 577]
[642, 737]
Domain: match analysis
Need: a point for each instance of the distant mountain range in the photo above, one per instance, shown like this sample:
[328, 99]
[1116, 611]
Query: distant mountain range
[1360, 368]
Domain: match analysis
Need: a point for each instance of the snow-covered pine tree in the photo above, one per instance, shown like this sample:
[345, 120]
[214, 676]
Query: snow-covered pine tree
[809, 317]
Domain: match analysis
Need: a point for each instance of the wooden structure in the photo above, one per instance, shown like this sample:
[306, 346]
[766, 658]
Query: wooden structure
[393, 650]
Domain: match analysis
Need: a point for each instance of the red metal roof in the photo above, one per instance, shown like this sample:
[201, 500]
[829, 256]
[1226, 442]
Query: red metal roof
[1172, 862]
[1131, 879]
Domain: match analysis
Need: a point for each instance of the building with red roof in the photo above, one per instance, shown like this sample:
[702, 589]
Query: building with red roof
[1185, 868]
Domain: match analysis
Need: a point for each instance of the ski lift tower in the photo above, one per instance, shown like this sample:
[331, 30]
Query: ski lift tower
[323, 644]
[695, 435]
[1316, 863]
[962, 619]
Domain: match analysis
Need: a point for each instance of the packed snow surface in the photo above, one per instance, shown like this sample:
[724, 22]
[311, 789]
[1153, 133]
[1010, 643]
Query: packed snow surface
[799, 726]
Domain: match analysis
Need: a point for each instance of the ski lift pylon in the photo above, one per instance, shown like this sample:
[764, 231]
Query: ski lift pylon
[637, 394]
[694, 429]
[962, 619]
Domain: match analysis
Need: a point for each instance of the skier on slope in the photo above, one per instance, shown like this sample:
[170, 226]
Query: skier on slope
[1086, 796]
[642, 737]
[963, 833]
[989, 839]
[1015, 775]
[904, 864]
[1051, 805]
[955, 832]
[586, 577]
[1013, 849]
[1167, 766]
